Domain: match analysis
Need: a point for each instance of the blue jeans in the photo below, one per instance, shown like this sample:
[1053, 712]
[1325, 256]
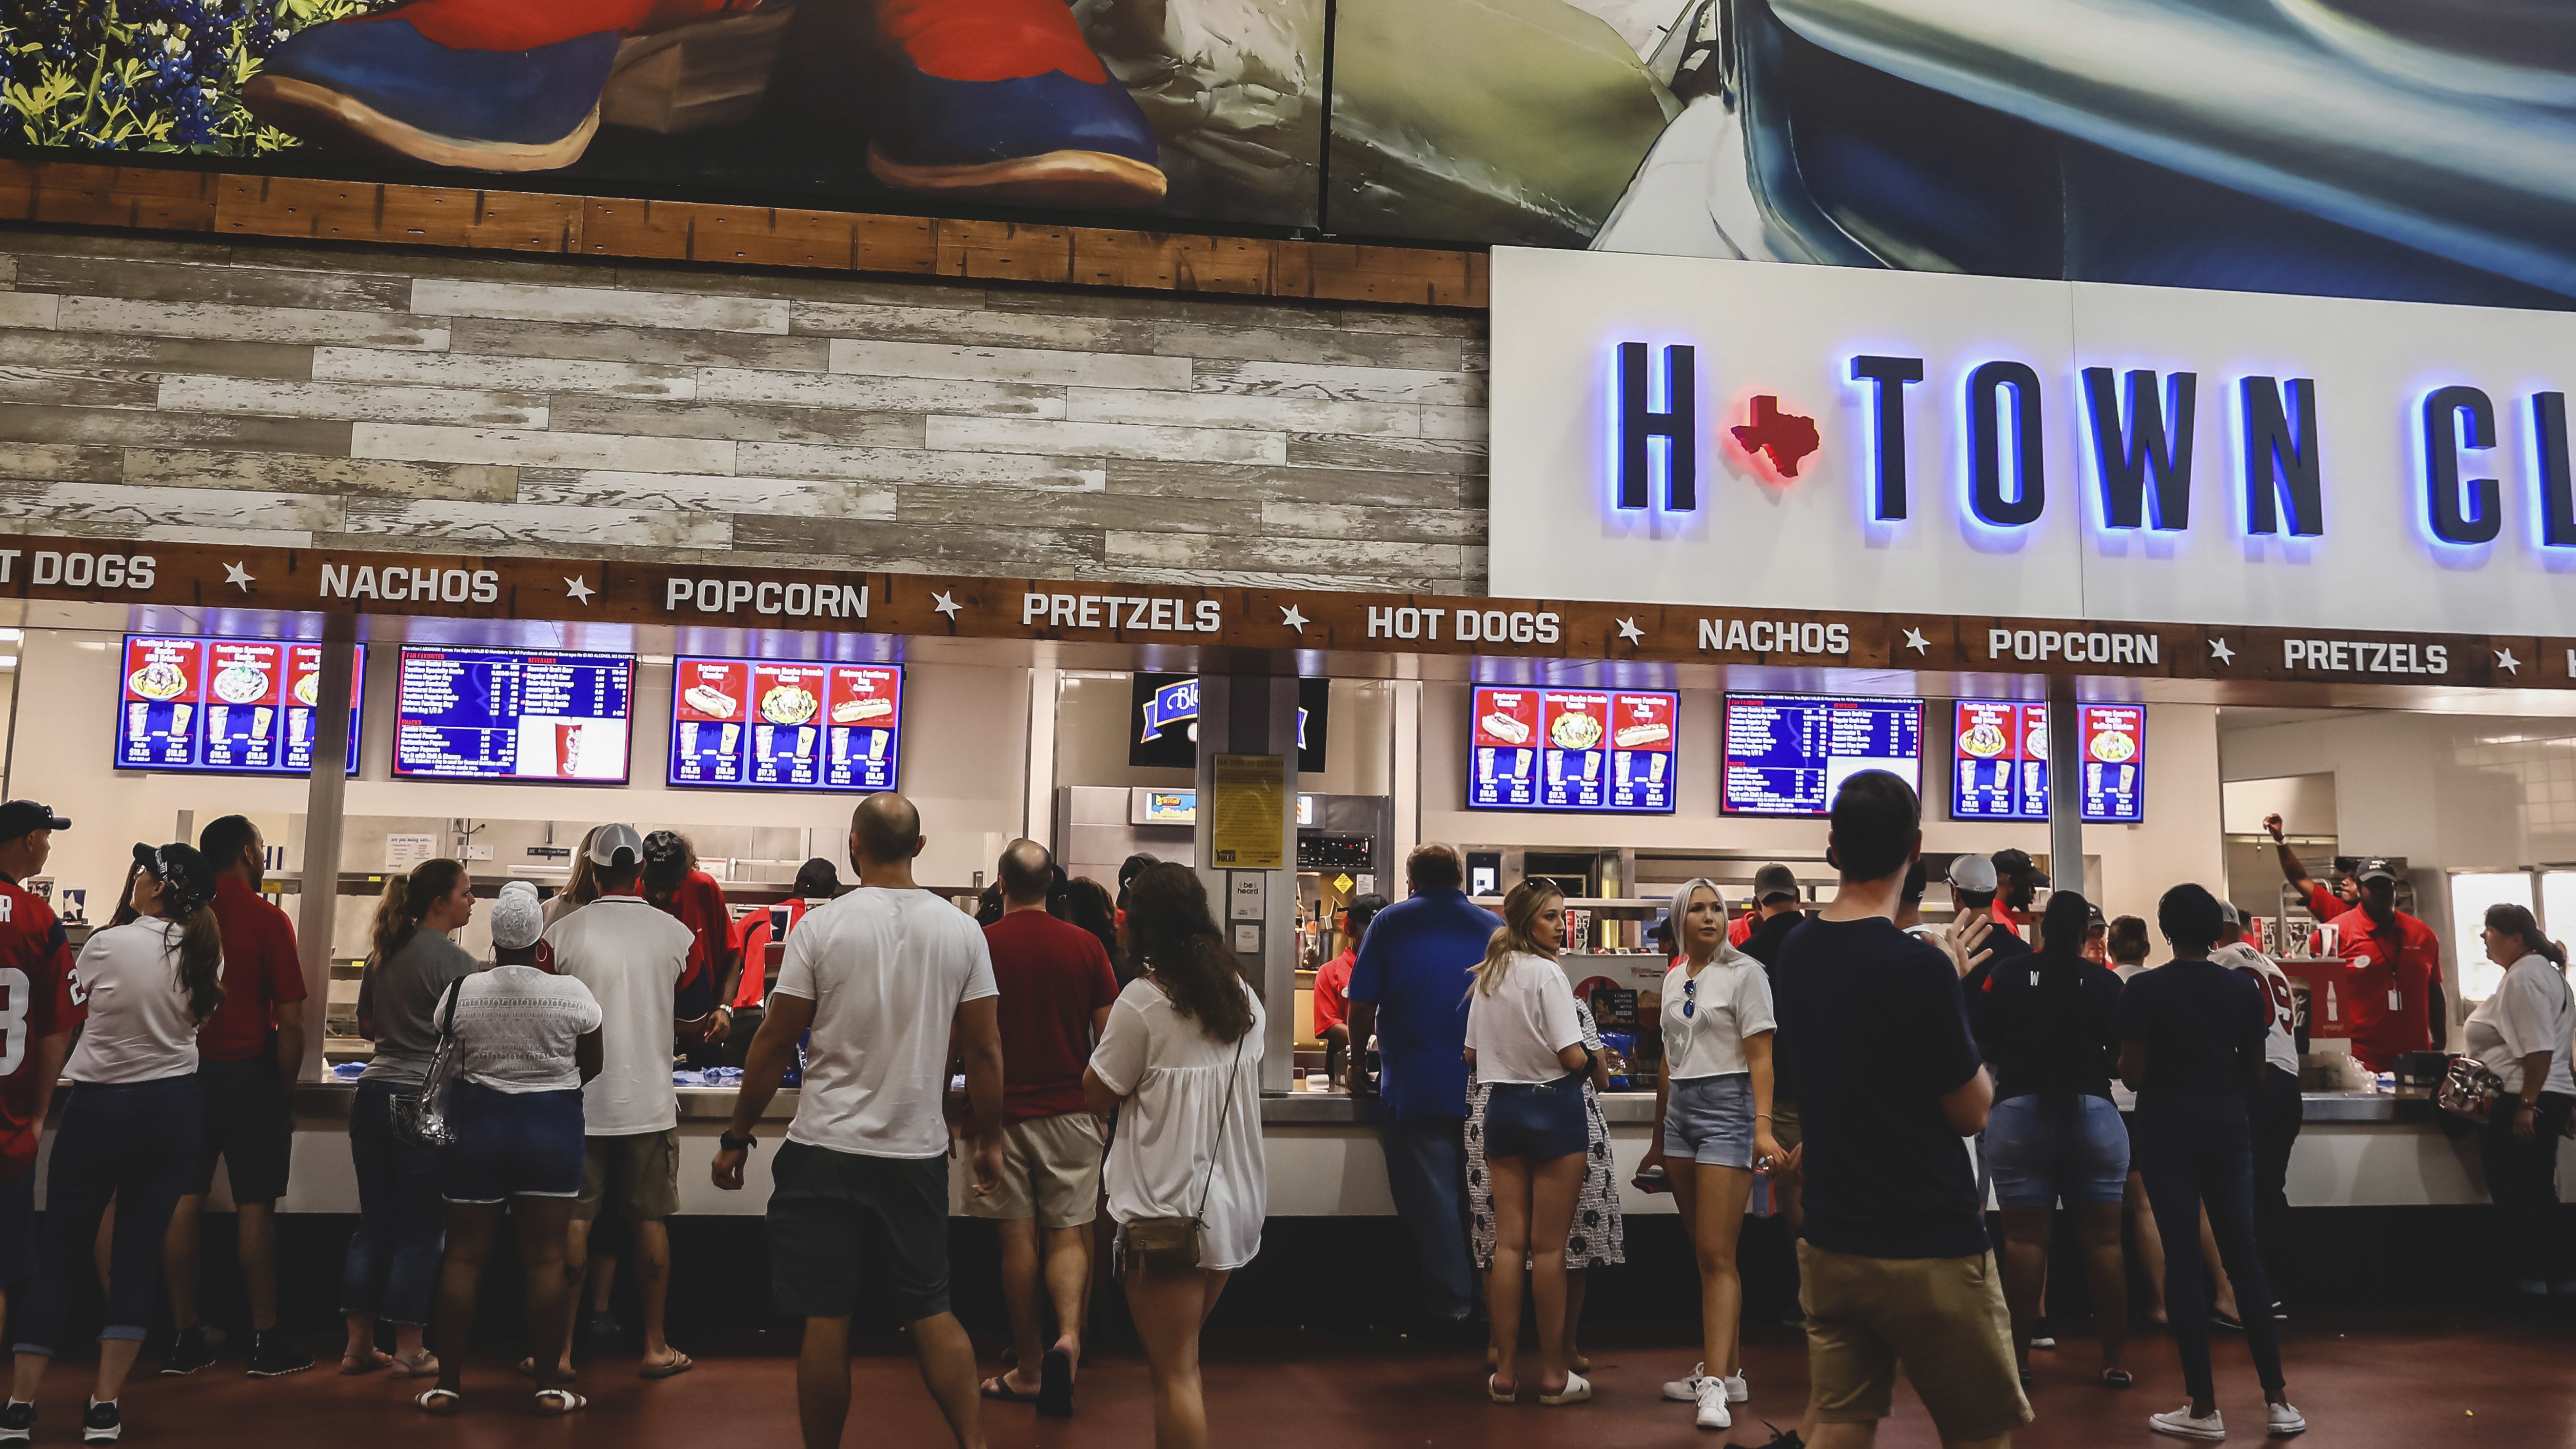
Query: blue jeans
[392, 1267]
[2193, 1151]
[136, 1142]
[1426, 1171]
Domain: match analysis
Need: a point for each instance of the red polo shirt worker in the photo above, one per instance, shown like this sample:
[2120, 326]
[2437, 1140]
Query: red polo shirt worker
[696, 900]
[249, 1054]
[1333, 984]
[2327, 906]
[2394, 962]
[1056, 990]
[37, 1015]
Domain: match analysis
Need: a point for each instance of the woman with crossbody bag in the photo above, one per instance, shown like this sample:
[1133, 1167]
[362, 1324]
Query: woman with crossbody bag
[1181, 1065]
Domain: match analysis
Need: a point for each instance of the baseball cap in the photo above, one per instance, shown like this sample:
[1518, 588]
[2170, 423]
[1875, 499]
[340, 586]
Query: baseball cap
[611, 842]
[817, 878]
[517, 919]
[26, 817]
[2227, 912]
[2374, 868]
[2018, 862]
[1774, 882]
[183, 873]
[1973, 873]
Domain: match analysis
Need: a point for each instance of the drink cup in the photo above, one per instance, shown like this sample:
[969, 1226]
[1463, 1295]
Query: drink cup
[179, 716]
[1592, 764]
[732, 738]
[567, 750]
[841, 746]
[1655, 768]
[877, 743]
[1484, 762]
[1555, 768]
[222, 715]
[689, 738]
[804, 742]
[1619, 769]
[259, 720]
[2329, 939]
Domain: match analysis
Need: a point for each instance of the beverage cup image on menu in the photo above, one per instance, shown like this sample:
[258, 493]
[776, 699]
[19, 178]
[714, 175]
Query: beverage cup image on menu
[805, 742]
[221, 716]
[179, 716]
[260, 717]
[732, 738]
[1485, 763]
[1591, 764]
[877, 743]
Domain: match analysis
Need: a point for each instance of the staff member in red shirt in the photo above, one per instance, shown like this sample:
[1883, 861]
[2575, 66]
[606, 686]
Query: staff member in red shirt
[2325, 905]
[817, 881]
[2017, 882]
[2396, 974]
[1333, 983]
[249, 1053]
[673, 882]
[34, 960]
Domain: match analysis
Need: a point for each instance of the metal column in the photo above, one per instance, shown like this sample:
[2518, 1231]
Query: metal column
[1256, 714]
[2066, 788]
[317, 906]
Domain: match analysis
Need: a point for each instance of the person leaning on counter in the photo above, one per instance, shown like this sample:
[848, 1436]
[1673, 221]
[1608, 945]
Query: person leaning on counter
[2395, 962]
[1333, 980]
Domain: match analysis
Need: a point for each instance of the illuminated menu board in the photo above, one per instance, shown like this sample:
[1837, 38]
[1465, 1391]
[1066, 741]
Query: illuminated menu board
[504, 714]
[757, 724]
[224, 706]
[1603, 750]
[2000, 769]
[1786, 754]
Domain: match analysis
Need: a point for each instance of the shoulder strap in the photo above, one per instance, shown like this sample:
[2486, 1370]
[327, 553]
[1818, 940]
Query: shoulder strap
[447, 1015]
[1207, 1188]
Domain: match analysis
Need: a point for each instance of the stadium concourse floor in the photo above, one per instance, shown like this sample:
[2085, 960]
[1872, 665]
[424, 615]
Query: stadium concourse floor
[2389, 1380]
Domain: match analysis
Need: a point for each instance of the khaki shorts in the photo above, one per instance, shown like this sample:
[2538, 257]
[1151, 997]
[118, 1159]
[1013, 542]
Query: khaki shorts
[635, 1177]
[1785, 1127]
[1943, 1319]
[1050, 1171]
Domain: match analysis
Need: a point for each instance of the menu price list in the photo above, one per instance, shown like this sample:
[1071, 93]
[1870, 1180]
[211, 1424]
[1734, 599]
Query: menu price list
[1609, 751]
[490, 714]
[756, 724]
[2115, 764]
[1787, 754]
[223, 706]
[2001, 769]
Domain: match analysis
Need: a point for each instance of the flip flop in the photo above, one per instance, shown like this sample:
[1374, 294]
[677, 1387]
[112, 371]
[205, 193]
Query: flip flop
[2116, 1379]
[1497, 1395]
[359, 1368]
[555, 1403]
[1055, 1384]
[1577, 1390]
[680, 1363]
[425, 1365]
[440, 1401]
[999, 1387]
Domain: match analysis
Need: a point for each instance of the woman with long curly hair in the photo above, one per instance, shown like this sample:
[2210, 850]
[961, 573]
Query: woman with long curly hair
[132, 1123]
[1181, 1065]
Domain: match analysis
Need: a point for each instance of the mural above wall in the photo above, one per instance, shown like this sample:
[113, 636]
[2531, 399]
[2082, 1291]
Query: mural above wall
[2411, 149]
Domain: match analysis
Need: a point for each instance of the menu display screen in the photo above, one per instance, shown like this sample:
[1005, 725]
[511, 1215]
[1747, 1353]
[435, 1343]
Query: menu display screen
[2000, 750]
[507, 714]
[224, 706]
[1786, 754]
[758, 724]
[1603, 750]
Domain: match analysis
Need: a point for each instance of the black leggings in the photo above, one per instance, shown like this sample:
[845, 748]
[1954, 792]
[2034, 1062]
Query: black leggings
[135, 1142]
[2195, 1150]
[2522, 1177]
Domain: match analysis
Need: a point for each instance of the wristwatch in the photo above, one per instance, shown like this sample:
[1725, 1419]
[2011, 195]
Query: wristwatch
[731, 1143]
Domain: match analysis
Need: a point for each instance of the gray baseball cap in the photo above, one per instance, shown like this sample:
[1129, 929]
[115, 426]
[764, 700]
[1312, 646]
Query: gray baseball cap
[1972, 873]
[611, 842]
[1775, 882]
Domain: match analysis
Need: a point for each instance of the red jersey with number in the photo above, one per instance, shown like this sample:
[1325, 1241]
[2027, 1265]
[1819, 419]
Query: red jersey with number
[2392, 971]
[39, 996]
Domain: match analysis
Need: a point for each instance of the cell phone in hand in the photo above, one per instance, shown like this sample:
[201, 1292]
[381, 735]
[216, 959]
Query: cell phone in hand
[1651, 1180]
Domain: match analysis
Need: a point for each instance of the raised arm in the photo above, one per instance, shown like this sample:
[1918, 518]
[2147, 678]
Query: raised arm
[2291, 869]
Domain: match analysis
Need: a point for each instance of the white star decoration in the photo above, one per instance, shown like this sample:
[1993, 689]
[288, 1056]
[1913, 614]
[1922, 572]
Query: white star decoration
[1629, 631]
[578, 588]
[2506, 662]
[1289, 618]
[237, 576]
[1915, 641]
[945, 604]
[2219, 651]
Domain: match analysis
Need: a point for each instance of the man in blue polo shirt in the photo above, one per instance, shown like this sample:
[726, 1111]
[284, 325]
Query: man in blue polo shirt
[1410, 986]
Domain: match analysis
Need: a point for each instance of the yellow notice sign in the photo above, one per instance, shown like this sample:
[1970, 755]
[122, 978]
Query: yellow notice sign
[1250, 817]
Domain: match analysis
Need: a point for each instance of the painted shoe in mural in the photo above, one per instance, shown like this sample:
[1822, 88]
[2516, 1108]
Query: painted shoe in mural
[1005, 100]
[513, 85]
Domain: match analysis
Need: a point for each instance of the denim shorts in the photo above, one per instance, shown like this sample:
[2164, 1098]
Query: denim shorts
[2044, 1148]
[1541, 1121]
[511, 1144]
[1709, 1120]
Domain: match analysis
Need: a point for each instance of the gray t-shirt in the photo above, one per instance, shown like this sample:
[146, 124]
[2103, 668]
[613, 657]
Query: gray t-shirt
[401, 997]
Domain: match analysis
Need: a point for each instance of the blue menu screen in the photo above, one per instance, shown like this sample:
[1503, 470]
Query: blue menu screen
[1786, 754]
[1999, 762]
[505, 714]
[224, 706]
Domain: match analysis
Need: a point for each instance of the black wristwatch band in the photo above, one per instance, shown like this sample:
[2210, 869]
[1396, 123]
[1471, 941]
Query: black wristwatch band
[731, 1143]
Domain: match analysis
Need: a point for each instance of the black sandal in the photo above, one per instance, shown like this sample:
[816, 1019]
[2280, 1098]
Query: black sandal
[2117, 1379]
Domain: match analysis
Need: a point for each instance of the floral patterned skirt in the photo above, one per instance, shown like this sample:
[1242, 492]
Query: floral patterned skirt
[1598, 1236]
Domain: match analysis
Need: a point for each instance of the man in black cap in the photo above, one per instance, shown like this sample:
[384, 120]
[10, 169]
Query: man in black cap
[35, 961]
[2018, 879]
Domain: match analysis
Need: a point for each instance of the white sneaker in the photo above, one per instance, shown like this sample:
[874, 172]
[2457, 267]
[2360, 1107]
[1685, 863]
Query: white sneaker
[1686, 1390]
[2182, 1425]
[1712, 1404]
[2281, 1420]
[1737, 1390]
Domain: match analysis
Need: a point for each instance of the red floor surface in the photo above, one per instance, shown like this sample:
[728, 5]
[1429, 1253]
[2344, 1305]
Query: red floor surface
[2363, 1383]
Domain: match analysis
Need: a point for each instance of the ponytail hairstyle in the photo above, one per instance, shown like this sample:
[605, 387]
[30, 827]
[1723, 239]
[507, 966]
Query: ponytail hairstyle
[2062, 929]
[406, 900]
[187, 901]
[583, 887]
[1520, 913]
[2513, 920]
[1177, 942]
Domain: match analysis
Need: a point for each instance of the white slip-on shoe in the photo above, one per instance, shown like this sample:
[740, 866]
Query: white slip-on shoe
[1577, 1390]
[1686, 1390]
[1712, 1405]
[2182, 1424]
[2283, 1420]
[1737, 1390]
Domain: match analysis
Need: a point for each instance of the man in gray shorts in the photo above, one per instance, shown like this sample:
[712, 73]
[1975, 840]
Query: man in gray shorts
[882, 977]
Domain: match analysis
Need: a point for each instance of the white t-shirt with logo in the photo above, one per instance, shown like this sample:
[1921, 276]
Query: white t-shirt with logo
[886, 971]
[631, 955]
[1730, 1000]
[516, 1028]
[138, 1029]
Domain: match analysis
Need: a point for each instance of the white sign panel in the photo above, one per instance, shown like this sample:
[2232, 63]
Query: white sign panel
[1756, 434]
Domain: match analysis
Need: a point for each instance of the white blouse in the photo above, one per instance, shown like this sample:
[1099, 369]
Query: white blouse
[1729, 1001]
[1179, 1111]
[1518, 1029]
[2532, 1010]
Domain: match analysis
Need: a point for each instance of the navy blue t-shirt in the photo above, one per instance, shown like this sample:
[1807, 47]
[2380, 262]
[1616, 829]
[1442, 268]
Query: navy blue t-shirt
[1882, 1037]
[2201, 1022]
[2044, 1034]
[1415, 965]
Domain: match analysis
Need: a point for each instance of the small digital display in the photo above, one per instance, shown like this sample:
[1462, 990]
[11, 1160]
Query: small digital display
[1786, 754]
[2000, 762]
[225, 706]
[1602, 751]
[755, 724]
[506, 714]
